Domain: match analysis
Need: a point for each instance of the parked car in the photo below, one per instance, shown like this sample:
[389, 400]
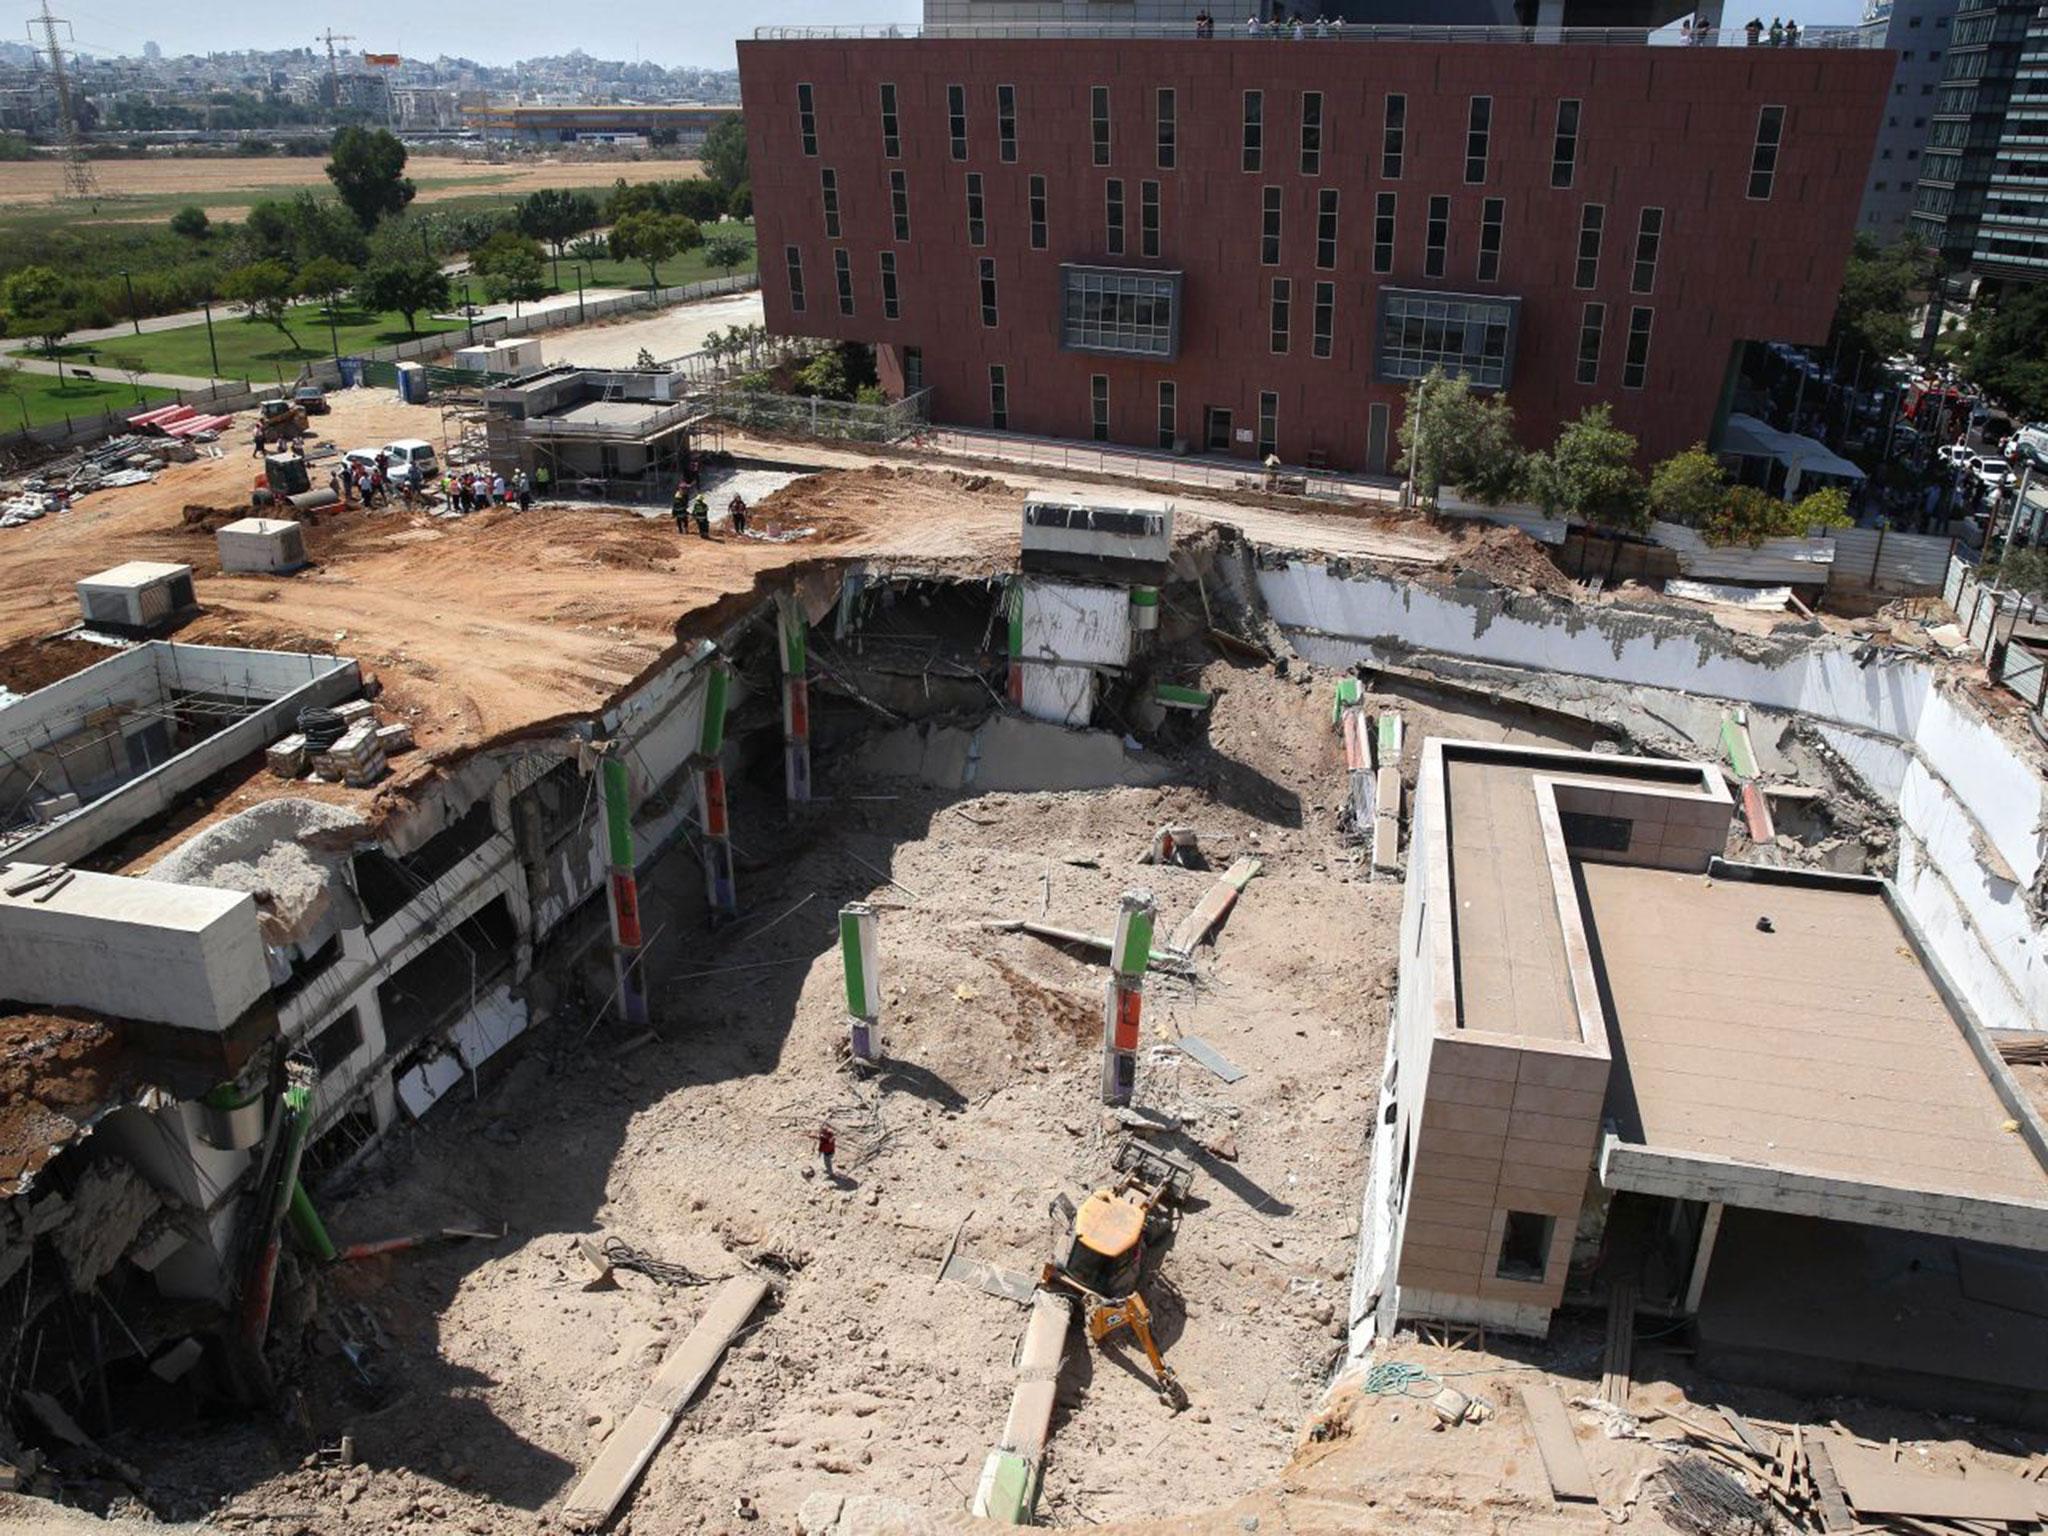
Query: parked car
[1993, 473]
[1951, 455]
[311, 399]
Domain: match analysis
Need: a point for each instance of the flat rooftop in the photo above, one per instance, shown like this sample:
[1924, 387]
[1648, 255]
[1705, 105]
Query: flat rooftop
[626, 414]
[1822, 1045]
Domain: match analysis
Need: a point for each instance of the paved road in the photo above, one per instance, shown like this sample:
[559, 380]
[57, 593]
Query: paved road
[666, 333]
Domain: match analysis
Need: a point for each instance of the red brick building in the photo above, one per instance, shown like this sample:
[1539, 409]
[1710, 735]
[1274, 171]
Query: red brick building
[1248, 244]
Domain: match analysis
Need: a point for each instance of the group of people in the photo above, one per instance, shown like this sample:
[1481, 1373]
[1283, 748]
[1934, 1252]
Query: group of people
[1783, 34]
[1296, 26]
[373, 484]
[688, 510]
[471, 492]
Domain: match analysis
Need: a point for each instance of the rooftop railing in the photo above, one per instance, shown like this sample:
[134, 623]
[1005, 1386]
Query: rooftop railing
[1237, 31]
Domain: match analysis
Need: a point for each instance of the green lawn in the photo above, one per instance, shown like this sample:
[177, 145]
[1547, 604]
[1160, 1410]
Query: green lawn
[254, 349]
[44, 400]
[690, 267]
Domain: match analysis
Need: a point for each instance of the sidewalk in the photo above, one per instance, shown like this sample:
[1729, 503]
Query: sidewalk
[102, 371]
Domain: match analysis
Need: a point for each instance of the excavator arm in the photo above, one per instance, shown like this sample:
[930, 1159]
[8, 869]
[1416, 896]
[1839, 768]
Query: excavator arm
[1106, 1317]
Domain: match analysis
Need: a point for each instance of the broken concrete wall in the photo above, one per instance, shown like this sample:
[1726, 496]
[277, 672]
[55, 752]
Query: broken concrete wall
[1970, 804]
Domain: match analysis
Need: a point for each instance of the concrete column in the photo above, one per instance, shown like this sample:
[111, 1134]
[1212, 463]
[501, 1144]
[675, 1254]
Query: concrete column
[863, 981]
[1703, 1256]
[1124, 999]
[792, 633]
[625, 893]
[718, 878]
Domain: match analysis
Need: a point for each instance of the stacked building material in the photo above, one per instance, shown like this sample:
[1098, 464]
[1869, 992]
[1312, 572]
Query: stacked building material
[287, 758]
[394, 738]
[356, 759]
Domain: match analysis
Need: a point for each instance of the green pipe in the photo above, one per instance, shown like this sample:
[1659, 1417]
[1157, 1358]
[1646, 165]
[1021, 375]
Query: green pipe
[308, 1227]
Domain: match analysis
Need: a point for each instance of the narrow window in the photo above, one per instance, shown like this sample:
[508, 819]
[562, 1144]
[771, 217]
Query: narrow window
[1763, 159]
[913, 370]
[899, 202]
[1099, 110]
[956, 120]
[1254, 129]
[1591, 324]
[988, 292]
[1492, 213]
[1167, 129]
[892, 138]
[1635, 367]
[1113, 196]
[1325, 314]
[977, 211]
[1283, 302]
[1525, 1246]
[1478, 134]
[998, 394]
[1326, 228]
[1269, 233]
[828, 191]
[1564, 148]
[1436, 237]
[1148, 218]
[795, 260]
[1383, 233]
[1037, 199]
[842, 271]
[1311, 133]
[1269, 425]
[1394, 138]
[891, 307]
[1649, 239]
[1168, 431]
[1098, 406]
[1592, 219]
[807, 118]
[1006, 123]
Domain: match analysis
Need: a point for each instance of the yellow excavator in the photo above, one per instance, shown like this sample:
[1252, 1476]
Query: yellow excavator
[1102, 1251]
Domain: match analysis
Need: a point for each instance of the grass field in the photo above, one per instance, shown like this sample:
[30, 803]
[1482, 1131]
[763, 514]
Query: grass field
[42, 399]
[690, 267]
[254, 349]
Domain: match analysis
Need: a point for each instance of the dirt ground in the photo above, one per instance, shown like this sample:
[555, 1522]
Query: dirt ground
[42, 181]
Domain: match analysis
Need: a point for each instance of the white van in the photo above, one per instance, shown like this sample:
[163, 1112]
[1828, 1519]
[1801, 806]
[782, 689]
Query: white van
[2029, 445]
[415, 452]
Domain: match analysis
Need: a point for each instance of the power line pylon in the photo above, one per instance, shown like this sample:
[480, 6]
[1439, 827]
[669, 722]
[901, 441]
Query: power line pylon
[79, 180]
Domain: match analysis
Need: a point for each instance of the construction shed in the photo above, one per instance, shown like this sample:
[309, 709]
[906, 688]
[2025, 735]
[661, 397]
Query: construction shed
[261, 544]
[1622, 1065]
[140, 597]
[606, 434]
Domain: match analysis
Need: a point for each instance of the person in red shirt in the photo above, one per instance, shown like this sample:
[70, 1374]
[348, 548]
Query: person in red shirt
[827, 1145]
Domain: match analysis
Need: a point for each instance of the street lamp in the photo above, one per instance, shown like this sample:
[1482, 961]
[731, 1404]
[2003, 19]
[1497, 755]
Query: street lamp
[468, 314]
[133, 318]
[578, 269]
[207, 305]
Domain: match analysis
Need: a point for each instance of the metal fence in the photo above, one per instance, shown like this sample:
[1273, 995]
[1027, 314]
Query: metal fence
[1196, 472]
[1881, 560]
[807, 416]
[1989, 615]
[1115, 31]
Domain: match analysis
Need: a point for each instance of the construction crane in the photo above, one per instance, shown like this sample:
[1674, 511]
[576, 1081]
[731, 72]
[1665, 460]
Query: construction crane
[330, 37]
[79, 180]
[1100, 1256]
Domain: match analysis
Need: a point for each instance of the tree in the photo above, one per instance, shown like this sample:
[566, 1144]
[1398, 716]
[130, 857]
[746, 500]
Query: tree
[741, 204]
[2008, 353]
[264, 290]
[727, 252]
[1688, 488]
[1874, 311]
[367, 167]
[2026, 570]
[191, 222]
[1589, 474]
[590, 248]
[1467, 440]
[10, 384]
[512, 267]
[653, 238]
[297, 229]
[408, 285]
[557, 216]
[1749, 516]
[326, 279]
[41, 303]
[698, 198]
[132, 369]
[725, 152]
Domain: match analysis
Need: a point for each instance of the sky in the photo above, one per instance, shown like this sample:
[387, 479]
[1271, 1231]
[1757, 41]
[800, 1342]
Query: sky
[667, 32]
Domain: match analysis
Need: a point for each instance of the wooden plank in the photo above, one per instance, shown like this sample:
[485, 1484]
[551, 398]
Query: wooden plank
[1751, 1441]
[1563, 1462]
[1834, 1509]
[1875, 1487]
[1211, 909]
[1207, 1054]
[600, 1491]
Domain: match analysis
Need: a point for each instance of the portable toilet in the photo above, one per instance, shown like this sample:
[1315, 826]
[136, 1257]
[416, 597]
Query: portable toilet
[412, 383]
[262, 544]
[141, 597]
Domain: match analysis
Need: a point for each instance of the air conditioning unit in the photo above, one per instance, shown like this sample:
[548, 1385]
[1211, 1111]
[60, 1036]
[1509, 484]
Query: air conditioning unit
[262, 544]
[139, 598]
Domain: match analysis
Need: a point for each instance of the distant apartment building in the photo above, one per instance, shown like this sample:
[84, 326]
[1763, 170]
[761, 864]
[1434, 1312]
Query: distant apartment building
[1983, 194]
[1918, 30]
[1251, 247]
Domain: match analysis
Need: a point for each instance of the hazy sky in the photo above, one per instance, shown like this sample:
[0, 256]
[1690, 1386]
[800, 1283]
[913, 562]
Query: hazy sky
[499, 31]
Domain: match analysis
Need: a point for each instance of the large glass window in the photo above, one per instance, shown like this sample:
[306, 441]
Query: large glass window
[1113, 211]
[1167, 129]
[1037, 210]
[1283, 304]
[828, 193]
[1112, 309]
[1763, 157]
[1254, 129]
[1269, 227]
[1006, 122]
[1592, 220]
[1098, 112]
[899, 202]
[1591, 324]
[1394, 138]
[1383, 232]
[1564, 148]
[1461, 334]
[1492, 214]
[1326, 228]
[1478, 137]
[807, 118]
[1325, 317]
[892, 133]
[1649, 240]
[956, 120]
[1635, 367]
[1437, 237]
[1148, 218]
[1311, 133]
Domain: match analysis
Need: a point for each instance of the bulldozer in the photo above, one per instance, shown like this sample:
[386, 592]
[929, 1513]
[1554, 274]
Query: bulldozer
[1100, 1254]
[281, 420]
